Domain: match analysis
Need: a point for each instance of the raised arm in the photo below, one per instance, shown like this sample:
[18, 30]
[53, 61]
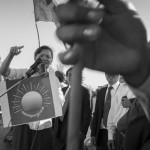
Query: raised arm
[4, 69]
[115, 40]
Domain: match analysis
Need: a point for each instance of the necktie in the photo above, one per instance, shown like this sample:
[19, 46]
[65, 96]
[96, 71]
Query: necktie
[107, 106]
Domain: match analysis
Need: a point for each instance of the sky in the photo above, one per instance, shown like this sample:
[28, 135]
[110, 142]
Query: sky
[17, 27]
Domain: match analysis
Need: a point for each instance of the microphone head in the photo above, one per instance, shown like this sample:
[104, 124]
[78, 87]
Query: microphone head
[34, 68]
[38, 61]
[43, 69]
[60, 76]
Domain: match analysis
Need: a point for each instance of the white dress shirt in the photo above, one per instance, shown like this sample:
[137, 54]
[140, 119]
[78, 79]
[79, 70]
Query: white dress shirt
[113, 91]
[117, 110]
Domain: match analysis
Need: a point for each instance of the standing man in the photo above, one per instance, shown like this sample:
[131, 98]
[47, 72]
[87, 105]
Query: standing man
[99, 131]
[61, 123]
[123, 95]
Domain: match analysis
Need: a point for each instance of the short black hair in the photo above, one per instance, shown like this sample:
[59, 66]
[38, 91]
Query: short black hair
[68, 70]
[38, 50]
[60, 76]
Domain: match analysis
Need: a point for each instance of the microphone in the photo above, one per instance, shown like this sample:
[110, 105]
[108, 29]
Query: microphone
[43, 69]
[60, 76]
[33, 68]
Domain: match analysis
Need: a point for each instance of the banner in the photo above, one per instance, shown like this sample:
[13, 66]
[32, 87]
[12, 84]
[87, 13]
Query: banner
[33, 99]
[44, 10]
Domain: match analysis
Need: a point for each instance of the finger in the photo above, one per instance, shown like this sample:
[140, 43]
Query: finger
[20, 47]
[71, 56]
[14, 49]
[17, 51]
[78, 13]
[115, 6]
[79, 33]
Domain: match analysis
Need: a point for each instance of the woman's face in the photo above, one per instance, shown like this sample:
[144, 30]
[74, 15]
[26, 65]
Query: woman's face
[46, 57]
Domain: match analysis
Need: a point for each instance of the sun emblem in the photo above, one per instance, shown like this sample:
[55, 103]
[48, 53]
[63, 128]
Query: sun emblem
[31, 98]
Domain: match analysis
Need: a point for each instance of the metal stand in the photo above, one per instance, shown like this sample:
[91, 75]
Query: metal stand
[13, 86]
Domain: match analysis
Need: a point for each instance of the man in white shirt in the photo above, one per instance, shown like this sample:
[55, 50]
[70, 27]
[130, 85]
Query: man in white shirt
[117, 111]
[98, 127]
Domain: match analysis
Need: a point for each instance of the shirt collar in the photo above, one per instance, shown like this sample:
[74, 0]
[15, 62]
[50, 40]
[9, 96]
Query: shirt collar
[114, 85]
[68, 87]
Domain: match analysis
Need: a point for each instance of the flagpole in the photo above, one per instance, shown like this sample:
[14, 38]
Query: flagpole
[37, 33]
[36, 26]
[75, 105]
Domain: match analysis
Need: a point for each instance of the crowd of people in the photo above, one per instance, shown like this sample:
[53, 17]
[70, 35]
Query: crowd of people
[101, 117]
[111, 39]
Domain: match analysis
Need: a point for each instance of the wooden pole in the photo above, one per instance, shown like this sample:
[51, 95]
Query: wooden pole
[36, 26]
[38, 34]
[75, 106]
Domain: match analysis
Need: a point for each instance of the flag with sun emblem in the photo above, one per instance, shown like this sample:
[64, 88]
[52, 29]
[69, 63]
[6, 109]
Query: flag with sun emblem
[33, 99]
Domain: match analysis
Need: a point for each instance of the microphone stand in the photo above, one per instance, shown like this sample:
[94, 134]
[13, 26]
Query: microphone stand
[13, 86]
[23, 78]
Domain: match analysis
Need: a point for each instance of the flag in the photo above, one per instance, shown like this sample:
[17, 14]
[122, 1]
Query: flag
[44, 10]
[33, 99]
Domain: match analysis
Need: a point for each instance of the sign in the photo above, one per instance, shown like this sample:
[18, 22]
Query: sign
[33, 99]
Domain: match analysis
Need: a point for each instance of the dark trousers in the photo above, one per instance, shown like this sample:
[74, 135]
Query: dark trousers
[61, 145]
[21, 138]
[43, 139]
[102, 140]
[119, 139]
[3, 132]
[24, 138]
